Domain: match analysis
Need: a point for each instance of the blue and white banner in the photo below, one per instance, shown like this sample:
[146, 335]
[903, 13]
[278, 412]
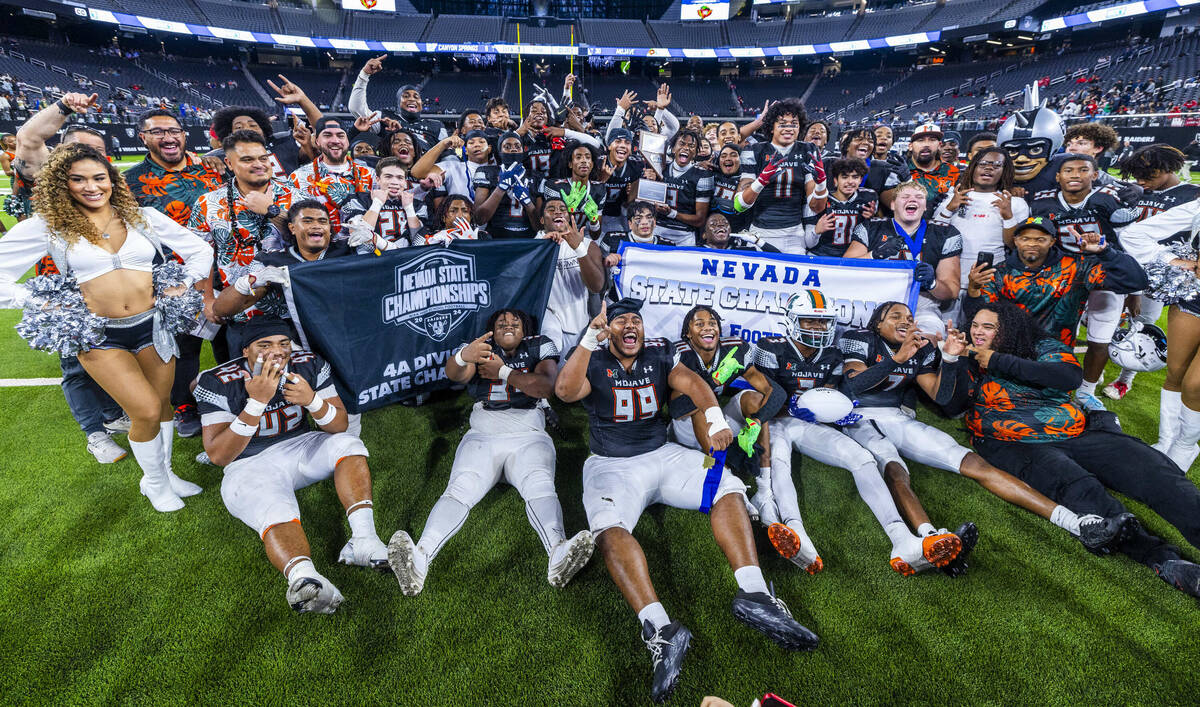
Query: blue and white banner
[750, 289]
[387, 324]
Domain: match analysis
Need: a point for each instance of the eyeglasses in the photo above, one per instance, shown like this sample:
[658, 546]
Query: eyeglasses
[163, 132]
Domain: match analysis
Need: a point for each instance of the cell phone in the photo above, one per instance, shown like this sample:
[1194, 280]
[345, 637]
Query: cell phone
[986, 258]
[773, 700]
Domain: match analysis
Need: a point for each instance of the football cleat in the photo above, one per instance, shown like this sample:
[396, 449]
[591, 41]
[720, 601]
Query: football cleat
[795, 546]
[768, 615]
[568, 557]
[936, 550]
[763, 501]
[106, 451]
[315, 595]
[667, 645]
[402, 556]
[365, 552]
[1181, 574]
[1103, 535]
[968, 534]
[1089, 402]
[1116, 390]
[187, 420]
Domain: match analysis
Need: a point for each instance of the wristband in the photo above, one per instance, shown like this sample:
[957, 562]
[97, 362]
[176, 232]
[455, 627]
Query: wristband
[820, 190]
[255, 407]
[757, 186]
[243, 429]
[505, 372]
[949, 358]
[64, 108]
[590, 340]
[582, 250]
[376, 205]
[244, 285]
[716, 420]
[314, 406]
[672, 214]
[459, 359]
[327, 417]
[409, 211]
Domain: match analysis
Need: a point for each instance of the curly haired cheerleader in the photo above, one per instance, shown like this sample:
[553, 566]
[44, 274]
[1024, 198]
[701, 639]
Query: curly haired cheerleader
[110, 254]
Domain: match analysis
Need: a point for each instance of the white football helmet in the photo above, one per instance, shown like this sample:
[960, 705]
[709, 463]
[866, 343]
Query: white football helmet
[1141, 347]
[810, 304]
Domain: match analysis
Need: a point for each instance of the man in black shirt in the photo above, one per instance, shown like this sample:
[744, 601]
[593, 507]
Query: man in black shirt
[840, 231]
[624, 387]
[507, 371]
[689, 191]
[620, 168]
[718, 237]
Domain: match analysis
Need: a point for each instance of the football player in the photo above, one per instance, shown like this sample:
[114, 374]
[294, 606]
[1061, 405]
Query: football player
[885, 365]
[718, 236]
[662, 121]
[506, 204]
[580, 272]
[936, 248]
[456, 159]
[334, 178]
[640, 230]
[1077, 206]
[689, 190]
[1156, 169]
[578, 181]
[538, 144]
[621, 167]
[408, 106]
[727, 177]
[254, 410]
[882, 177]
[624, 386]
[385, 219]
[506, 370]
[781, 177]
[840, 232]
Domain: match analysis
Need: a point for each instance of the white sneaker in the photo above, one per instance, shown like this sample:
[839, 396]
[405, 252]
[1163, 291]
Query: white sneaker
[796, 546]
[119, 425]
[764, 502]
[568, 557]
[404, 557]
[365, 552]
[104, 448]
[315, 595]
[1183, 454]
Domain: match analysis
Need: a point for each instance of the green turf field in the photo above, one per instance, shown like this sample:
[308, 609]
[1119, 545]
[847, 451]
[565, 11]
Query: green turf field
[105, 601]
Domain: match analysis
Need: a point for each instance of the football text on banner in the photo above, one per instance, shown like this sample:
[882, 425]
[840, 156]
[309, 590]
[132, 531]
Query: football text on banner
[387, 324]
[750, 289]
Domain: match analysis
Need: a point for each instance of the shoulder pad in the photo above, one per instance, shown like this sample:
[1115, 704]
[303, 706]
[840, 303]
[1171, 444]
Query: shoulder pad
[657, 341]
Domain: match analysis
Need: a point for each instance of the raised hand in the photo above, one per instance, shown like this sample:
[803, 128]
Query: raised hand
[981, 274]
[374, 65]
[289, 93]
[664, 97]
[1089, 242]
[956, 341]
[769, 169]
[869, 209]
[363, 123]
[80, 102]
[297, 390]
[262, 387]
[1003, 204]
[959, 200]
[911, 344]
[479, 350]
[600, 323]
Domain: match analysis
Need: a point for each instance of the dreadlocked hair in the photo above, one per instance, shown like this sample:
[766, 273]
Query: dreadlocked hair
[682, 134]
[862, 133]
[880, 312]
[1146, 162]
[439, 216]
[787, 106]
[1016, 332]
[691, 314]
[528, 324]
[966, 178]
[53, 202]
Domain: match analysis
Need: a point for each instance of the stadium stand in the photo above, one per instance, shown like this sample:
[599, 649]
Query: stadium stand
[309, 23]
[320, 84]
[814, 29]
[455, 92]
[464, 28]
[688, 34]
[533, 34]
[386, 27]
[749, 34]
[707, 97]
[616, 33]
[241, 15]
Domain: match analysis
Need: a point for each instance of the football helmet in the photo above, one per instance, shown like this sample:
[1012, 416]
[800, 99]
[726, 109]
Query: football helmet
[810, 304]
[1141, 347]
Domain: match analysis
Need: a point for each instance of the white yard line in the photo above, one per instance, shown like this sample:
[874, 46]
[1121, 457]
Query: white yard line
[28, 382]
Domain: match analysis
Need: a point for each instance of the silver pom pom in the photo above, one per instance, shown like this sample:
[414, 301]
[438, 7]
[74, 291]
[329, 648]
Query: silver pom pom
[56, 319]
[1172, 285]
[179, 312]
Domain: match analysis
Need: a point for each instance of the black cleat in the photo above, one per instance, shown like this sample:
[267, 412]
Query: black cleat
[668, 645]
[1103, 535]
[187, 420]
[969, 535]
[770, 616]
[1181, 574]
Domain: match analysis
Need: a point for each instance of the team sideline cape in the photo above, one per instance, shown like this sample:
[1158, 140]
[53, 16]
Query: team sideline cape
[387, 324]
[750, 289]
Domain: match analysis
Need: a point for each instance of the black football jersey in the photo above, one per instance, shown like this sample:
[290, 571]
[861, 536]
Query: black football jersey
[1151, 203]
[781, 204]
[428, 130]
[611, 242]
[273, 302]
[617, 187]
[739, 243]
[392, 224]
[554, 187]
[538, 150]
[881, 176]
[727, 346]
[221, 396]
[848, 224]
[498, 395]
[725, 188]
[509, 219]
[684, 191]
[624, 407]
[941, 241]
[899, 389]
[779, 360]
[1101, 212]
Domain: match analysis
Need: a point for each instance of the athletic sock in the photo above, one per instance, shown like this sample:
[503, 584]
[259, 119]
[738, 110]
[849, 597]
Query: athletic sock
[545, 515]
[784, 491]
[1089, 388]
[1170, 406]
[655, 614]
[763, 480]
[1126, 376]
[898, 532]
[1065, 519]
[362, 522]
[301, 568]
[750, 579]
[874, 492]
[447, 516]
[926, 529]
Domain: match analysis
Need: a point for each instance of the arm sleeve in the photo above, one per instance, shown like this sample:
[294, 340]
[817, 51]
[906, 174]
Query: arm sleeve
[668, 124]
[773, 403]
[871, 377]
[358, 99]
[617, 121]
[954, 393]
[20, 250]
[1051, 370]
[582, 137]
[1141, 240]
[197, 255]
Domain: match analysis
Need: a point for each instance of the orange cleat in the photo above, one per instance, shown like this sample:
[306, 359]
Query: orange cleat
[796, 547]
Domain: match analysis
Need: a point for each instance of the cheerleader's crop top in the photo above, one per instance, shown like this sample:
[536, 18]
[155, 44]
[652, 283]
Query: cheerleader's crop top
[29, 240]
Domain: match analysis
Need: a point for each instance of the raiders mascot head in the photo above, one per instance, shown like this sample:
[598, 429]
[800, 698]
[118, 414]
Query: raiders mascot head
[1032, 137]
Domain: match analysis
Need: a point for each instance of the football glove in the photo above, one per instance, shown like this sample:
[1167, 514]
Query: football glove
[769, 170]
[749, 435]
[728, 367]
[818, 167]
[590, 210]
[925, 275]
[850, 418]
[799, 412]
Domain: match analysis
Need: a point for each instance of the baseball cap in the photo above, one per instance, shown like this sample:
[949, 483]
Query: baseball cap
[927, 129]
[1039, 223]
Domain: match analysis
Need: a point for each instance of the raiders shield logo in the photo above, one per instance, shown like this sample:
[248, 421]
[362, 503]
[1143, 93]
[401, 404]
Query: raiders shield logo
[435, 293]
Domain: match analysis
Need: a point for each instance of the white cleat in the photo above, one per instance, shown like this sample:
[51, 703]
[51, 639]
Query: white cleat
[315, 595]
[1183, 454]
[105, 449]
[796, 546]
[764, 502]
[119, 425]
[403, 556]
[568, 557]
[365, 552]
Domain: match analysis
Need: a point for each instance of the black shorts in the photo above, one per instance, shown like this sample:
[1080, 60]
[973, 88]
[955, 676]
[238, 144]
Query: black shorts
[132, 334]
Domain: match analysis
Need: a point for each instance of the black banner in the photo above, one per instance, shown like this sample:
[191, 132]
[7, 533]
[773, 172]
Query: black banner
[387, 324]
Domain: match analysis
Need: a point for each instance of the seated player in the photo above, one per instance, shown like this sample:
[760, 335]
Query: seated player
[453, 219]
[717, 236]
[841, 230]
[507, 439]
[1014, 381]
[885, 365]
[388, 219]
[624, 386]
[253, 411]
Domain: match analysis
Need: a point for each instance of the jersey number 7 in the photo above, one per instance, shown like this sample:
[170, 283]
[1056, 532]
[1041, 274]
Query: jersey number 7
[634, 403]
